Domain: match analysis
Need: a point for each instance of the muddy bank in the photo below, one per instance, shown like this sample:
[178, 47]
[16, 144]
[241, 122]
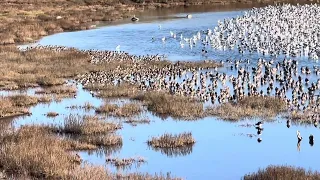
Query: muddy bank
[27, 20]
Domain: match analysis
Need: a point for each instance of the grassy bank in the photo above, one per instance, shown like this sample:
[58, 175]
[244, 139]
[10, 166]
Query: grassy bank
[282, 172]
[28, 20]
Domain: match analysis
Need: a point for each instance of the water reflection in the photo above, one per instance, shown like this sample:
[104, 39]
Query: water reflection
[174, 152]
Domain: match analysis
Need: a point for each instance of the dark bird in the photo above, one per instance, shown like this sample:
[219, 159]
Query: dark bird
[311, 141]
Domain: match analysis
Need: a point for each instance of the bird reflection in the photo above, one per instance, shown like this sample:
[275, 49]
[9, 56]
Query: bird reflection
[288, 123]
[298, 145]
[311, 141]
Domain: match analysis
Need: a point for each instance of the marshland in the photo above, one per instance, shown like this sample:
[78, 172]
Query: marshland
[165, 97]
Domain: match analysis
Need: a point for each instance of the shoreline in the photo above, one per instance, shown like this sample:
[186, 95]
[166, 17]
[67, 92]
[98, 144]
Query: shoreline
[41, 24]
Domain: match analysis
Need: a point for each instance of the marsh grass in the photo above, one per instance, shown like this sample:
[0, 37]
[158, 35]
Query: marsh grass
[107, 109]
[282, 172]
[34, 152]
[248, 107]
[172, 140]
[124, 163]
[126, 110]
[40, 67]
[87, 106]
[119, 91]
[176, 106]
[134, 122]
[86, 125]
[139, 176]
[58, 90]
[52, 114]
[18, 104]
[102, 140]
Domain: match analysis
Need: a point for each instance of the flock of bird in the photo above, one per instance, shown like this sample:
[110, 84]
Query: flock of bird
[291, 30]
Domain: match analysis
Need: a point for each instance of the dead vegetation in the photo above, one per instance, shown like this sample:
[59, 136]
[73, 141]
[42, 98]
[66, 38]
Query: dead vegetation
[52, 114]
[282, 172]
[172, 140]
[172, 105]
[24, 69]
[32, 152]
[111, 91]
[102, 140]
[134, 122]
[248, 107]
[18, 104]
[86, 125]
[126, 110]
[123, 163]
[87, 106]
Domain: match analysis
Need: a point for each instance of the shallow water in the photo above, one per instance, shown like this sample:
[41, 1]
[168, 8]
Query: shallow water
[222, 150]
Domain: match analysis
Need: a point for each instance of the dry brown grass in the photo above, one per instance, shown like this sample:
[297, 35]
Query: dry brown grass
[52, 114]
[18, 104]
[172, 140]
[32, 151]
[67, 90]
[125, 162]
[139, 176]
[282, 172]
[248, 107]
[87, 106]
[86, 125]
[107, 108]
[126, 110]
[102, 140]
[172, 105]
[110, 91]
[134, 122]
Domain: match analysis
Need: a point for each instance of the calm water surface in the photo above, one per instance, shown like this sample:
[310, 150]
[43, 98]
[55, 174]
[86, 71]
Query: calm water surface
[223, 150]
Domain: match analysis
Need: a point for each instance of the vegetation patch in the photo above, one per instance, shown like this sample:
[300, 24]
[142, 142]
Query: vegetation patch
[85, 125]
[248, 107]
[123, 163]
[164, 104]
[18, 104]
[172, 140]
[52, 114]
[126, 110]
[102, 140]
[282, 172]
[114, 91]
[34, 152]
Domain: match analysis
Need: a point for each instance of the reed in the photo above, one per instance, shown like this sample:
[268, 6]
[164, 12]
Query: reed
[282, 172]
[86, 125]
[102, 140]
[172, 140]
[248, 107]
[123, 163]
[172, 105]
[52, 114]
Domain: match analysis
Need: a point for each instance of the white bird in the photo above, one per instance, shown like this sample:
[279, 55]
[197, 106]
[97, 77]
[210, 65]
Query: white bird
[118, 48]
[163, 39]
